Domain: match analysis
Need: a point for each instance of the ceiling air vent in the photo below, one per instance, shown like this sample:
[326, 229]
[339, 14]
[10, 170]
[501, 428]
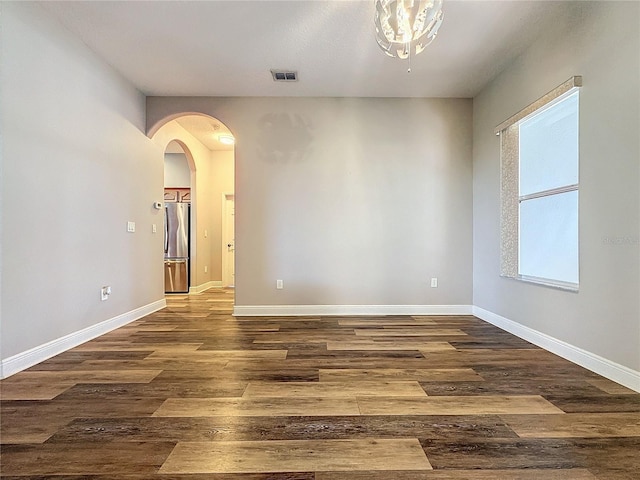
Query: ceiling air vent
[284, 76]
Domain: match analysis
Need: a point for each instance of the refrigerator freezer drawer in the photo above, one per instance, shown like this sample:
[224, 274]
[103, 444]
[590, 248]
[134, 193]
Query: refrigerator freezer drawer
[176, 278]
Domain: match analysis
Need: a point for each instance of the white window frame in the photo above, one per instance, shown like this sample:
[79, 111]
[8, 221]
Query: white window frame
[510, 186]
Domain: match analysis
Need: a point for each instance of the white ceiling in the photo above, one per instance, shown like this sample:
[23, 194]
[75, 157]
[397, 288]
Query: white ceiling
[207, 130]
[226, 48]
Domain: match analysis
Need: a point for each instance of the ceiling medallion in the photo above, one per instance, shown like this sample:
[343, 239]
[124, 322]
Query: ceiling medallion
[405, 27]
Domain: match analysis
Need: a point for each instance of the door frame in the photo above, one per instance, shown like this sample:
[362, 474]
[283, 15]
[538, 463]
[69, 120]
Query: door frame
[225, 233]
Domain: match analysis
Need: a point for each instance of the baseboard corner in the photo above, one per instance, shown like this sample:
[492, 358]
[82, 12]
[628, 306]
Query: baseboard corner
[205, 286]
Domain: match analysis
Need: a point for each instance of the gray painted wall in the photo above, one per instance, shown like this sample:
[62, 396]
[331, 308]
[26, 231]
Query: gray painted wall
[77, 166]
[600, 41]
[349, 201]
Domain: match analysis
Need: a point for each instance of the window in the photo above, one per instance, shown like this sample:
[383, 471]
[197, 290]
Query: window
[539, 223]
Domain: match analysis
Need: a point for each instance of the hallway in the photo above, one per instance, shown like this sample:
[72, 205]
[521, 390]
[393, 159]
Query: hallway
[192, 392]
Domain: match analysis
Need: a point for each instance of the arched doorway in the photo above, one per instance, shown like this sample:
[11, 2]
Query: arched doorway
[178, 172]
[212, 167]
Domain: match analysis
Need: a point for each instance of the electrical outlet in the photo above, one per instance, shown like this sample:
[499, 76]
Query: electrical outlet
[131, 227]
[105, 292]
[434, 283]
[279, 285]
[154, 228]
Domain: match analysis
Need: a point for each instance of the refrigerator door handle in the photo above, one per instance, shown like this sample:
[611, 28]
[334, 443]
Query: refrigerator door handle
[166, 233]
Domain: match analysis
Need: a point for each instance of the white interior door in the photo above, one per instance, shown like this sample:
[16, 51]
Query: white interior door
[228, 242]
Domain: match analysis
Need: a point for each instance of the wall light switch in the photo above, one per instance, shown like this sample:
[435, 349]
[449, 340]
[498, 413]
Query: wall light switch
[279, 284]
[131, 227]
[434, 283]
[206, 269]
[206, 234]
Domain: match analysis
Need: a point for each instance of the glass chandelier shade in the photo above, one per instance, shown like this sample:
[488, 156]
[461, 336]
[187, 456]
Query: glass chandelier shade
[406, 27]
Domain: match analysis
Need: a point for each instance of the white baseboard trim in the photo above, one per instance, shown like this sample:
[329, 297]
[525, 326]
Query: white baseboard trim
[611, 370]
[332, 310]
[206, 286]
[618, 373]
[29, 358]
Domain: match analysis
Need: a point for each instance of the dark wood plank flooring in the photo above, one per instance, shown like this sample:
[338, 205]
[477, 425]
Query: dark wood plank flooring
[190, 392]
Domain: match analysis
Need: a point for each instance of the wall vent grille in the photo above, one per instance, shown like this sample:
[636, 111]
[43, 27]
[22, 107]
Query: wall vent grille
[284, 75]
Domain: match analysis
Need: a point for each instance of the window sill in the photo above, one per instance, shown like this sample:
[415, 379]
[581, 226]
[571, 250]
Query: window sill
[545, 282]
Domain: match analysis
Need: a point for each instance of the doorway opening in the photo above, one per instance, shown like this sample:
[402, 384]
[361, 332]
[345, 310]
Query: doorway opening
[209, 150]
[177, 219]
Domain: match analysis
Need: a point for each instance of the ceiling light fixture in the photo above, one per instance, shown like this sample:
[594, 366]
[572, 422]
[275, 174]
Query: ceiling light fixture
[226, 139]
[406, 27]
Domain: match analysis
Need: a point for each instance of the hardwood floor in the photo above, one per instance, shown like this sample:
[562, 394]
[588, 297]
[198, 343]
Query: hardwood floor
[191, 392]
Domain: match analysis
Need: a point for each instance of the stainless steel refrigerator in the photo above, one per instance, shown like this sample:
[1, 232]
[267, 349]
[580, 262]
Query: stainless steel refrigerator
[176, 247]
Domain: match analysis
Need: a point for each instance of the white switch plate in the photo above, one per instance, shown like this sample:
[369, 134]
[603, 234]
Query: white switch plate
[206, 269]
[154, 229]
[279, 285]
[434, 283]
[131, 227]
